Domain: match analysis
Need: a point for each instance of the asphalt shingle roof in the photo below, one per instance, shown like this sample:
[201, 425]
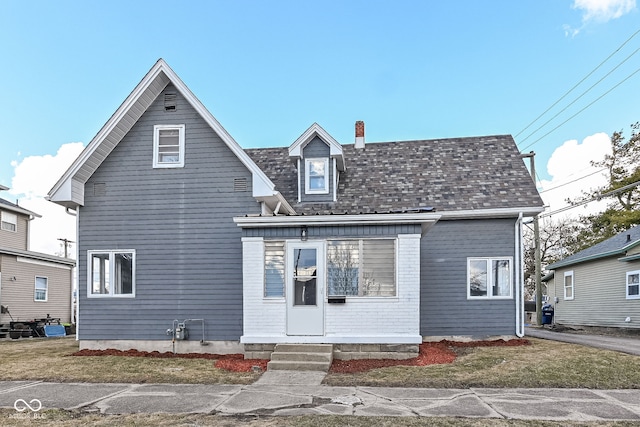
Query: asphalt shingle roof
[447, 174]
[612, 246]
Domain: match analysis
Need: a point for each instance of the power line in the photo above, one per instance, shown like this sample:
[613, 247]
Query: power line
[579, 83]
[572, 181]
[587, 106]
[580, 96]
[593, 199]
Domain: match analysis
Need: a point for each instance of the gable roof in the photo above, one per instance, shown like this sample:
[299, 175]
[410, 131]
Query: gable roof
[69, 190]
[616, 245]
[335, 149]
[38, 256]
[8, 206]
[450, 175]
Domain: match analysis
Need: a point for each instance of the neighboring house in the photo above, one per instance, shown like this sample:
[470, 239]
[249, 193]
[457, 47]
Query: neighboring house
[319, 242]
[599, 286]
[32, 285]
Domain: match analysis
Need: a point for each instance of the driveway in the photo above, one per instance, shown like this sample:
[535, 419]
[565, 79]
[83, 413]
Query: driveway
[621, 344]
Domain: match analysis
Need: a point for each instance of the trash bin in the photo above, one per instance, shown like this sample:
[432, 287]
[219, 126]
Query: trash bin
[547, 314]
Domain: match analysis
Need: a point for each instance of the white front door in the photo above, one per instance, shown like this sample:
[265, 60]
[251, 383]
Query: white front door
[305, 288]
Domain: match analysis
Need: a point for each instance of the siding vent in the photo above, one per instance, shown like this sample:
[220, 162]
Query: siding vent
[240, 184]
[99, 189]
[170, 102]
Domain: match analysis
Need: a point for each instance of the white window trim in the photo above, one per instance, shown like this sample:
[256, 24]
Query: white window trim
[35, 289]
[489, 272]
[573, 285]
[9, 218]
[112, 253]
[626, 285]
[324, 190]
[156, 142]
[366, 297]
[264, 272]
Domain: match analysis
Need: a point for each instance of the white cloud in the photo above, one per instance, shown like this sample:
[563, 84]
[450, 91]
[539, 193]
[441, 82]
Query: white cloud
[603, 10]
[33, 178]
[571, 173]
[599, 11]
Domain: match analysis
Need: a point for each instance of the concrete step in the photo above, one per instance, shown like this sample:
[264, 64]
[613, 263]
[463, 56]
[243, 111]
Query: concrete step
[284, 365]
[301, 357]
[304, 348]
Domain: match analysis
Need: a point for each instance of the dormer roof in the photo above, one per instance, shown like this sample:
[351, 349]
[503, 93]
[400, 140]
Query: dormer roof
[315, 130]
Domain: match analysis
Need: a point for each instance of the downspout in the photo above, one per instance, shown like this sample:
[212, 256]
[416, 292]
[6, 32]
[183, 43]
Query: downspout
[75, 274]
[519, 278]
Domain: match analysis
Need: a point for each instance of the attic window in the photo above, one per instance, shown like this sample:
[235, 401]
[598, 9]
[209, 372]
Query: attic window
[316, 176]
[168, 146]
[170, 102]
[239, 184]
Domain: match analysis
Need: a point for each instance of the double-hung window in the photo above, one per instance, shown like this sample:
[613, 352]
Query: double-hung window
[633, 284]
[111, 273]
[489, 277]
[316, 176]
[274, 269]
[41, 289]
[364, 268]
[168, 146]
[568, 285]
[8, 221]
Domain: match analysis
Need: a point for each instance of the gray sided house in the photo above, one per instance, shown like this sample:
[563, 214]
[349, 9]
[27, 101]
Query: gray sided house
[599, 286]
[315, 242]
[33, 285]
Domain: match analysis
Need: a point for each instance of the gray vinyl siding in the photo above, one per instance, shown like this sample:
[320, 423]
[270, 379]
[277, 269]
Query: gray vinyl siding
[179, 222]
[316, 149]
[444, 307]
[16, 239]
[599, 295]
[333, 231]
[19, 295]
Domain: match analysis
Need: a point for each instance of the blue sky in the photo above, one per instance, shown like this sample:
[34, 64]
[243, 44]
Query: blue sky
[268, 70]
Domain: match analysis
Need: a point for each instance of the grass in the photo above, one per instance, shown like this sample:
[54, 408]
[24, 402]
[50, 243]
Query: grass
[540, 365]
[63, 418]
[50, 360]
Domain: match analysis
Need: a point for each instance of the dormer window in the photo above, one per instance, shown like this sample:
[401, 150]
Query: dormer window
[316, 176]
[168, 146]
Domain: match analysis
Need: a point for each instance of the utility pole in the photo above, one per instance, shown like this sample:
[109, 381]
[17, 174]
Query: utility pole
[536, 249]
[67, 243]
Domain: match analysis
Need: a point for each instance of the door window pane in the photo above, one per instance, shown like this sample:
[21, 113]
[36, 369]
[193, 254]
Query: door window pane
[304, 276]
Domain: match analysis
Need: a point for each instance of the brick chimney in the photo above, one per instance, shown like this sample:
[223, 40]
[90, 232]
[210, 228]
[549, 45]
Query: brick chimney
[359, 134]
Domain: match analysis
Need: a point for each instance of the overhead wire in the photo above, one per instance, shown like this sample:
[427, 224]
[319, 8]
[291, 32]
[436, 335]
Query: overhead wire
[584, 108]
[580, 96]
[580, 82]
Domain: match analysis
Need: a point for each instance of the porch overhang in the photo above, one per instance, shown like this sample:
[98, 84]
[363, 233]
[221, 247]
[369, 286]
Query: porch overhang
[426, 220]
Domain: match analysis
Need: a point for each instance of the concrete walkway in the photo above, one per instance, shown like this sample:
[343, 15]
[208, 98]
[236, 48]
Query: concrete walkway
[293, 393]
[627, 345]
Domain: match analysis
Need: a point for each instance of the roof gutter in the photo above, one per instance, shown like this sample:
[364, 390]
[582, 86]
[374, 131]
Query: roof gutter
[491, 213]
[366, 219]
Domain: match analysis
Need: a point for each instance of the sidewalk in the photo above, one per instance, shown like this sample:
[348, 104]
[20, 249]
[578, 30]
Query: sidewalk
[294, 393]
[622, 344]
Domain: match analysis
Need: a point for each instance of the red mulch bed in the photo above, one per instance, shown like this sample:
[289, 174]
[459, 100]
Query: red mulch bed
[431, 353]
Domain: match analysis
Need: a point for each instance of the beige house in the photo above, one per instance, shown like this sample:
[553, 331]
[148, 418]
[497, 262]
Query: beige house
[599, 286]
[33, 285]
